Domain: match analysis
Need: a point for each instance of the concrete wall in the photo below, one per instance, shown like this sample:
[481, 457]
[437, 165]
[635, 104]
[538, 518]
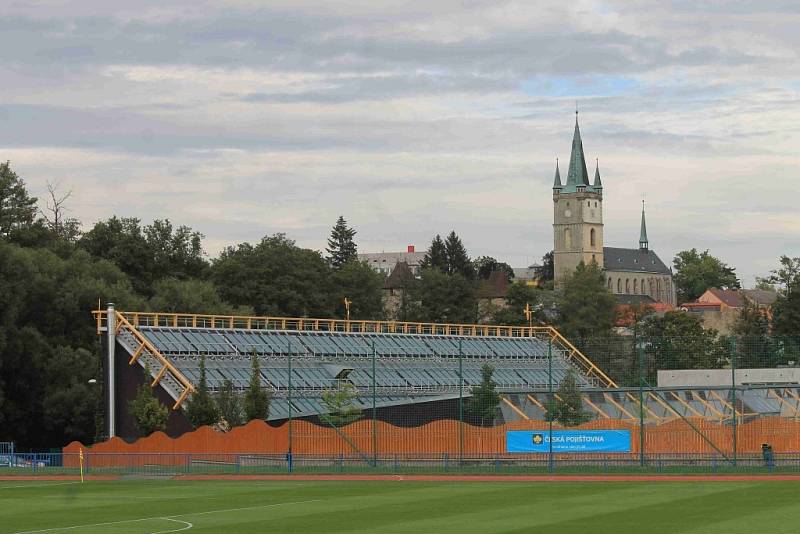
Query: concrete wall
[722, 377]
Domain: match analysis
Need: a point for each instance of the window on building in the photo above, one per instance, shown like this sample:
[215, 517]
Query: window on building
[567, 238]
[619, 285]
[635, 286]
[609, 284]
[627, 286]
[592, 240]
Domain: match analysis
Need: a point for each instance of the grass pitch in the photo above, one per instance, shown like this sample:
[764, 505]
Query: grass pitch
[150, 507]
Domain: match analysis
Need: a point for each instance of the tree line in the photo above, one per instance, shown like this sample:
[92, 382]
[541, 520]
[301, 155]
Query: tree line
[53, 271]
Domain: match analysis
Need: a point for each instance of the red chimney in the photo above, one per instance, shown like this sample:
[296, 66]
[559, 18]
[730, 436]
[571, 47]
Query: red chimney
[411, 248]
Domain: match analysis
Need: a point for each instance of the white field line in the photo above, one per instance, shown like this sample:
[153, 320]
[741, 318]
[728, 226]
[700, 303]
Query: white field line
[40, 485]
[139, 520]
[186, 527]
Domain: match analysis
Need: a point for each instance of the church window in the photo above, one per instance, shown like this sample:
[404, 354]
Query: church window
[592, 239]
[627, 286]
[567, 238]
[595, 204]
[635, 286]
[609, 284]
[594, 260]
[619, 285]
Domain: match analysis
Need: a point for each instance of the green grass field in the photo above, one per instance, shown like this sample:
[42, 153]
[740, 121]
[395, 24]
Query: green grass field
[154, 506]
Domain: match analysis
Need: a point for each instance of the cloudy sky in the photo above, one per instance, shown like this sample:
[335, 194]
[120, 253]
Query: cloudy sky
[245, 118]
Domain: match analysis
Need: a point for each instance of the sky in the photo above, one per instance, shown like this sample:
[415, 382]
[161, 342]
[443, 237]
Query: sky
[242, 118]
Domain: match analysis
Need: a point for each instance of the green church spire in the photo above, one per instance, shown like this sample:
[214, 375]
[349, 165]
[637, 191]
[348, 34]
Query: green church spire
[643, 245]
[577, 175]
[597, 183]
[557, 179]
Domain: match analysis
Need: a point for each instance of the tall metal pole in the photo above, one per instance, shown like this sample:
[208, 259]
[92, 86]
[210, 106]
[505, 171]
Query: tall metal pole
[289, 402]
[374, 426]
[111, 333]
[641, 405]
[460, 405]
[733, 394]
[550, 403]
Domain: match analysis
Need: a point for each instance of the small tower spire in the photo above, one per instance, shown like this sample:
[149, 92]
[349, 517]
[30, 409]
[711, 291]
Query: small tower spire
[597, 183]
[557, 179]
[643, 245]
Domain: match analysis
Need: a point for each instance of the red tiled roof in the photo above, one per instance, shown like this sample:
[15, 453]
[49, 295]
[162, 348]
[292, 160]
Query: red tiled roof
[729, 297]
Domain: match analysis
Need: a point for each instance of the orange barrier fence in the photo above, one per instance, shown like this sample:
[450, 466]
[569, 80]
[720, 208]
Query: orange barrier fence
[698, 436]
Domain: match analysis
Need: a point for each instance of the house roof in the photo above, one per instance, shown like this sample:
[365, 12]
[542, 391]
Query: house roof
[633, 260]
[496, 286]
[399, 277]
[729, 297]
[760, 296]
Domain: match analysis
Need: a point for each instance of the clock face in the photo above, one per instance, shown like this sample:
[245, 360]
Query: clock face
[567, 213]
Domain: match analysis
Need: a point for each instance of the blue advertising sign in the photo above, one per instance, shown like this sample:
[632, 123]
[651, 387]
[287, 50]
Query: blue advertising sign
[568, 441]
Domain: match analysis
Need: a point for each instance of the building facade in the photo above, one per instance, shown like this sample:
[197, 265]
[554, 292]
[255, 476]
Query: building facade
[385, 262]
[578, 236]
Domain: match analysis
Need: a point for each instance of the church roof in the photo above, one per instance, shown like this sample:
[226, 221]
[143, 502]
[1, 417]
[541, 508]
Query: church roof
[577, 175]
[633, 260]
[399, 277]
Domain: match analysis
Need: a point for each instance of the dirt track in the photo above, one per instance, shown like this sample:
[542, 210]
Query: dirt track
[447, 478]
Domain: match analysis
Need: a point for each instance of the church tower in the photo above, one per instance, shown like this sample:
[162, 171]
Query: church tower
[577, 213]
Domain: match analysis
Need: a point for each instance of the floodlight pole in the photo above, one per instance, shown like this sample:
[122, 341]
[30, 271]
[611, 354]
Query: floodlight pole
[289, 403]
[111, 341]
[374, 417]
[640, 350]
[733, 394]
[460, 405]
[550, 403]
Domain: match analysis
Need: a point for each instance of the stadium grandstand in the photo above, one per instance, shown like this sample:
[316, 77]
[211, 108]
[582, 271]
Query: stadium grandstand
[411, 373]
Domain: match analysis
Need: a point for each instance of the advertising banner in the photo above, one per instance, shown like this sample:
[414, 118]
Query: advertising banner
[569, 441]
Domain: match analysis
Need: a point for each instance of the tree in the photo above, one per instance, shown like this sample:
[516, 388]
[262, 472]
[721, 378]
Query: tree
[586, 307]
[436, 256]
[546, 271]
[275, 277]
[457, 258]
[201, 409]
[677, 340]
[228, 404]
[256, 399]
[55, 215]
[486, 265]
[519, 296]
[786, 310]
[340, 404]
[695, 272]
[485, 399]
[362, 286]
[754, 346]
[17, 208]
[149, 415]
[171, 295]
[437, 297]
[341, 247]
[566, 407]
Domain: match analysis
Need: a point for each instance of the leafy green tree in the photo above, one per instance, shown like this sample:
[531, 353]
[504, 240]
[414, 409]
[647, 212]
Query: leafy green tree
[566, 407]
[362, 286]
[437, 297]
[485, 399]
[341, 247]
[436, 256]
[518, 297]
[229, 405]
[457, 258]
[753, 343]
[17, 207]
[695, 272]
[786, 310]
[69, 402]
[340, 404]
[191, 296]
[275, 277]
[484, 266]
[201, 409]
[148, 413]
[585, 307]
[677, 340]
[256, 398]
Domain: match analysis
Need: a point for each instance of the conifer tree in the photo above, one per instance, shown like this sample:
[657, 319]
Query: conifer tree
[202, 410]
[17, 209]
[341, 247]
[457, 259]
[256, 399]
[149, 415]
[436, 255]
[567, 406]
[485, 398]
[229, 405]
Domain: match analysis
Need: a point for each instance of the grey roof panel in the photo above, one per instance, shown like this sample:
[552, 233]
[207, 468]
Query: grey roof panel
[633, 260]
